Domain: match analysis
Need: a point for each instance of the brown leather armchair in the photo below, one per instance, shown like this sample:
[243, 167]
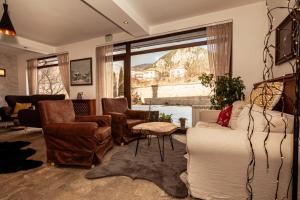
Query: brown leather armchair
[123, 119]
[79, 141]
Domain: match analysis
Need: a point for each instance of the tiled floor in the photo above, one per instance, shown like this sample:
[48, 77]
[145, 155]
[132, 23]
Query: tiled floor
[48, 182]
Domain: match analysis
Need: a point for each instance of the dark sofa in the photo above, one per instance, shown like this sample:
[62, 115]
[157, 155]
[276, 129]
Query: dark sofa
[27, 117]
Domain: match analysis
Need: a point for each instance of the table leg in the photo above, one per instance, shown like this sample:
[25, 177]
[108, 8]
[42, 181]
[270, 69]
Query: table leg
[149, 140]
[163, 149]
[137, 145]
[171, 141]
[161, 152]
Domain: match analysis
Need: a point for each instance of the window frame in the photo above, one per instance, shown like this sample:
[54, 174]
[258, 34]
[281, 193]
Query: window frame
[127, 55]
[46, 66]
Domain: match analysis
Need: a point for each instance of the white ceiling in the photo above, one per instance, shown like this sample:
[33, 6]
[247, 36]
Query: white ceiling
[161, 11]
[57, 22]
[12, 51]
[47, 24]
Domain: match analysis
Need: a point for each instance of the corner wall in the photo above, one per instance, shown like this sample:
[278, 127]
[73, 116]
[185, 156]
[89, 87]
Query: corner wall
[8, 84]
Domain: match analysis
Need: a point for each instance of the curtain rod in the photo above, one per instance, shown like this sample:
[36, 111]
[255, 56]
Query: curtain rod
[168, 32]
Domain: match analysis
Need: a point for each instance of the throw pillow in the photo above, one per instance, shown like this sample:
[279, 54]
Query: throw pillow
[224, 116]
[259, 122]
[237, 108]
[267, 94]
[21, 106]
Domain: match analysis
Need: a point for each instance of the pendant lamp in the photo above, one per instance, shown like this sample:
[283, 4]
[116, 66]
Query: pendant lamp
[6, 26]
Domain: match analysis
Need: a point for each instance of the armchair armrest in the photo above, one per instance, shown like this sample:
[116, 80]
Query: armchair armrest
[118, 117]
[72, 128]
[5, 112]
[137, 114]
[31, 118]
[104, 120]
[142, 114]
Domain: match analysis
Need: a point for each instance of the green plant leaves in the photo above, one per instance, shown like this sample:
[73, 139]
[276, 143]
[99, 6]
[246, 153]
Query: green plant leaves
[226, 89]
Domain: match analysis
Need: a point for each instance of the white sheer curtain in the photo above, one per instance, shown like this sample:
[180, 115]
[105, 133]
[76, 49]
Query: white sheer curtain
[32, 76]
[64, 69]
[219, 45]
[104, 74]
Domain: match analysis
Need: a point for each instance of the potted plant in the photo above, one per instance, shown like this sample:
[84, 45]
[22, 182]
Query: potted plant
[165, 117]
[226, 89]
[182, 121]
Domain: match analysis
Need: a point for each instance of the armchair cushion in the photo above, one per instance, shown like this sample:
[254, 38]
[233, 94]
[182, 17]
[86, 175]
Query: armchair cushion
[104, 120]
[71, 129]
[21, 106]
[102, 133]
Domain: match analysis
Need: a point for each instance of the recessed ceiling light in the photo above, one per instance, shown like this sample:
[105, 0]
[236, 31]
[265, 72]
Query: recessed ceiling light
[125, 22]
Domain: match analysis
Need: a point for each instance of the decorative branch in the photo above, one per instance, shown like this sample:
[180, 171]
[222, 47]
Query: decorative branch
[268, 59]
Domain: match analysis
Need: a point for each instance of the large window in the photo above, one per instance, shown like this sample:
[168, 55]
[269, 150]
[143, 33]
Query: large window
[118, 78]
[163, 73]
[49, 79]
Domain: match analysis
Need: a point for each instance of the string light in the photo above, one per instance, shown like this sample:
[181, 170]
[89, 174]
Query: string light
[268, 89]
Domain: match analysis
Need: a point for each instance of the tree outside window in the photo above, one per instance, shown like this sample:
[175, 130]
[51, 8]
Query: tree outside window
[49, 81]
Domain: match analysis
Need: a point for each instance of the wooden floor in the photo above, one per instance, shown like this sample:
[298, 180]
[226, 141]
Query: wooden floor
[48, 182]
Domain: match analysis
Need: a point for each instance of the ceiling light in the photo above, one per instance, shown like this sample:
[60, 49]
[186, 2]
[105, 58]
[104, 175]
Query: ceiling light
[6, 26]
[125, 22]
[2, 72]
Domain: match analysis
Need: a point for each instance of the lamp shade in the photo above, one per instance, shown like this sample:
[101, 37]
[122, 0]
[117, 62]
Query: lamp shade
[6, 26]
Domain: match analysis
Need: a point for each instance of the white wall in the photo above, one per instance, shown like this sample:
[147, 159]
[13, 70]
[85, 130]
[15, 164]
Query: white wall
[249, 29]
[85, 49]
[9, 83]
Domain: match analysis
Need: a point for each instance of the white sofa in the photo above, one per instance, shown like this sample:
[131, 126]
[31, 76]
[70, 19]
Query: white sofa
[218, 158]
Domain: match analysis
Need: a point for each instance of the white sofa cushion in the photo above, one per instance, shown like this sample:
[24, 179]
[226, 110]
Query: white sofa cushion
[277, 120]
[237, 108]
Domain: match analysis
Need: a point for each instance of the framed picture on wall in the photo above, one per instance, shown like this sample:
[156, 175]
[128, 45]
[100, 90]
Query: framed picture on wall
[284, 50]
[81, 72]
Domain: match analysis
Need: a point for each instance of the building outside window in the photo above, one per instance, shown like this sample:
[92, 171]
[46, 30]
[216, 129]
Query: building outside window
[164, 73]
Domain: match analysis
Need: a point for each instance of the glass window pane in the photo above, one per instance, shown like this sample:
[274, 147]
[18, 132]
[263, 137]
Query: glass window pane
[168, 80]
[118, 78]
[49, 81]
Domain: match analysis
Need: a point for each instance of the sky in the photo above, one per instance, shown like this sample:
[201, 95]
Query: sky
[147, 58]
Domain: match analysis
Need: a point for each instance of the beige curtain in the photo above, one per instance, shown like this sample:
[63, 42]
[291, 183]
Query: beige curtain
[219, 46]
[104, 74]
[32, 76]
[63, 63]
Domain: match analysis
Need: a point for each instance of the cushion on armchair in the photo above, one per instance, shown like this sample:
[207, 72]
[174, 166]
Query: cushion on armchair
[21, 106]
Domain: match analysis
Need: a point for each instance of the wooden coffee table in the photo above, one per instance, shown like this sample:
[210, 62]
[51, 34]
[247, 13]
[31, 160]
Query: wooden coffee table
[158, 129]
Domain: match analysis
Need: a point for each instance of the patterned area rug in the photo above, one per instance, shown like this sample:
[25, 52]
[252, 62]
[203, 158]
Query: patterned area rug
[13, 158]
[148, 165]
